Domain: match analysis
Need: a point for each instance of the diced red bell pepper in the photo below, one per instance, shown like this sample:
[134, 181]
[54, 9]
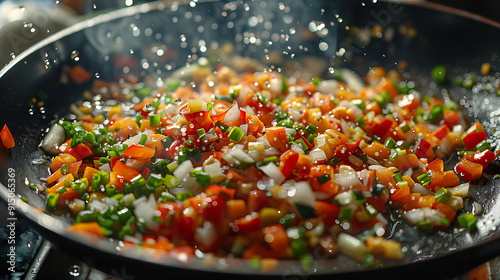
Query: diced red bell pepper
[469, 170]
[220, 191]
[215, 210]
[424, 150]
[80, 151]
[185, 226]
[484, 158]
[435, 166]
[7, 138]
[442, 132]
[398, 193]
[327, 212]
[474, 135]
[404, 162]
[256, 200]
[249, 223]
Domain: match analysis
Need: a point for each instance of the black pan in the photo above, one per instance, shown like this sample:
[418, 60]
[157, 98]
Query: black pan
[423, 35]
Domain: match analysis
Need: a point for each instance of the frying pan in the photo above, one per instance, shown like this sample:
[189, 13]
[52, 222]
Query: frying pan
[329, 35]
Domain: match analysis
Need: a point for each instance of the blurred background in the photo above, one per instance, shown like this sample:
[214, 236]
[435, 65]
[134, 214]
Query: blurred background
[24, 22]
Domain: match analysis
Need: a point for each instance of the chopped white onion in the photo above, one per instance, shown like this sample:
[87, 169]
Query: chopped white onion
[351, 246]
[105, 167]
[182, 171]
[232, 114]
[214, 171]
[317, 155]
[461, 190]
[145, 210]
[302, 194]
[297, 149]
[418, 188]
[347, 179]
[206, 235]
[328, 87]
[53, 139]
[273, 172]
[276, 85]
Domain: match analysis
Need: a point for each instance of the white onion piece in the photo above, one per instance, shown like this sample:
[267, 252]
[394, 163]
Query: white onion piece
[271, 152]
[110, 201]
[297, 149]
[244, 127]
[328, 87]
[302, 194]
[290, 131]
[237, 156]
[461, 190]
[276, 85]
[232, 114]
[317, 155]
[249, 110]
[206, 235]
[352, 79]
[105, 167]
[273, 172]
[169, 109]
[351, 246]
[145, 210]
[263, 139]
[347, 179]
[53, 139]
[182, 171]
[295, 115]
[414, 216]
[418, 188]
[98, 205]
[214, 171]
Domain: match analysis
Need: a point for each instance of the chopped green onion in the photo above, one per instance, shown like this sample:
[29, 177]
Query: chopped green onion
[52, 200]
[360, 120]
[390, 142]
[222, 126]
[311, 128]
[436, 113]
[65, 169]
[302, 144]
[299, 246]
[284, 86]
[404, 127]
[236, 134]
[201, 132]
[345, 214]
[483, 146]
[104, 160]
[144, 139]
[443, 195]
[288, 123]
[371, 210]
[425, 225]
[424, 179]
[154, 120]
[324, 178]
[397, 177]
[445, 222]
[110, 190]
[467, 221]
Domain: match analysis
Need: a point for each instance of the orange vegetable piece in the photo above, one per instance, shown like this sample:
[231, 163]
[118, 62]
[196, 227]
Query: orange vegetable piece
[7, 138]
[79, 75]
[92, 227]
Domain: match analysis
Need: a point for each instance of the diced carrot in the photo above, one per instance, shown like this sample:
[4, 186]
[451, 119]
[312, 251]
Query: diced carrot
[377, 151]
[91, 227]
[7, 138]
[276, 238]
[258, 250]
[89, 173]
[116, 180]
[54, 177]
[236, 209]
[277, 138]
[79, 75]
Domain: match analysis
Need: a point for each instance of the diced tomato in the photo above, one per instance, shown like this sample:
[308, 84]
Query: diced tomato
[469, 170]
[7, 138]
[91, 227]
[288, 162]
[185, 226]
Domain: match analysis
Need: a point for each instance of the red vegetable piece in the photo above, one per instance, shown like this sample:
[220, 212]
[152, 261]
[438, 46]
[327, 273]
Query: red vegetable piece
[249, 223]
[484, 158]
[141, 152]
[128, 173]
[80, 151]
[327, 212]
[256, 200]
[7, 138]
[469, 170]
[474, 135]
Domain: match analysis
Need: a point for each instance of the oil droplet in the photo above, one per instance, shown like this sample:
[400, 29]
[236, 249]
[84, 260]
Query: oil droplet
[75, 55]
[74, 270]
